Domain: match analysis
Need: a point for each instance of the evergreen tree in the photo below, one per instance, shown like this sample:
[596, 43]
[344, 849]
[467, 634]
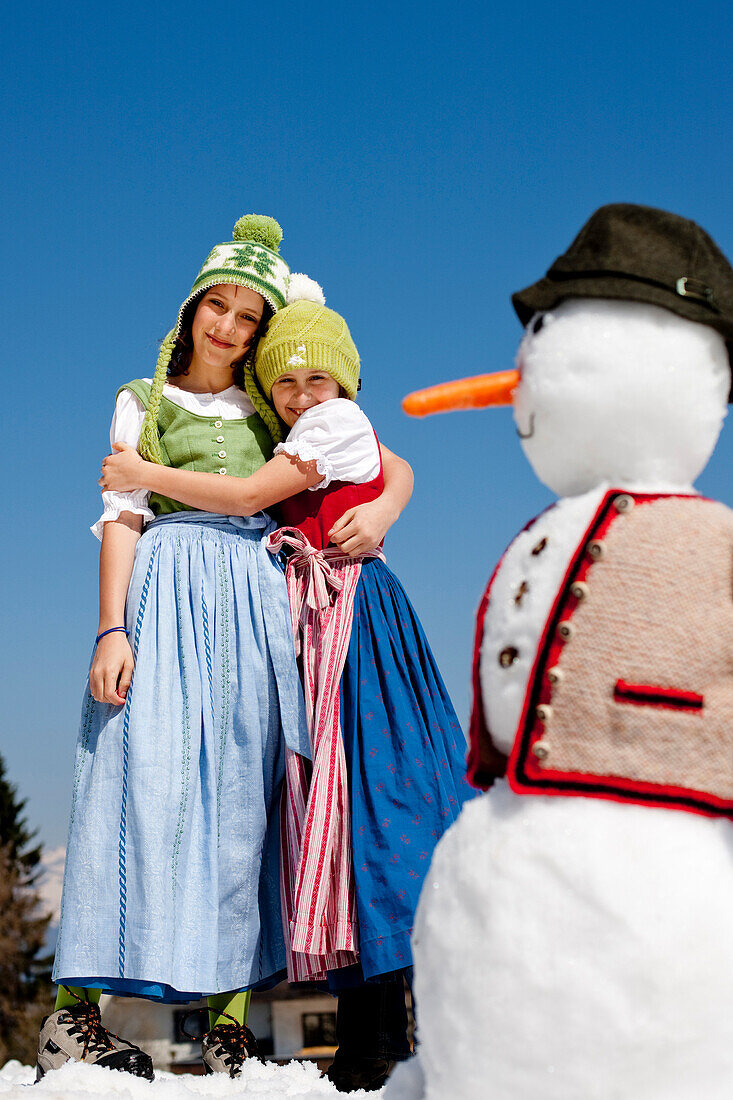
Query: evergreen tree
[24, 974]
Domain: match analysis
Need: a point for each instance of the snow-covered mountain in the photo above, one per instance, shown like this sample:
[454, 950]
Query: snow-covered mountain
[49, 888]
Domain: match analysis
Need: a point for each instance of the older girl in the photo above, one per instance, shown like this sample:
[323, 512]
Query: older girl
[171, 885]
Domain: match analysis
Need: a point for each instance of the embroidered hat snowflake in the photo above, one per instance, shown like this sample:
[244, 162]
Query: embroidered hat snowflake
[250, 259]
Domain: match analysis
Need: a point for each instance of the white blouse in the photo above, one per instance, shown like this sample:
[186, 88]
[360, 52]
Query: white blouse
[127, 422]
[338, 436]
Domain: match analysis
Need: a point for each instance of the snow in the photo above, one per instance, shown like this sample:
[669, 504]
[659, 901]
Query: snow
[265, 1081]
[574, 949]
[408, 1082]
[519, 625]
[620, 392]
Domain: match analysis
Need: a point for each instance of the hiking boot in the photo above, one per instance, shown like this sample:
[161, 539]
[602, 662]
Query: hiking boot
[226, 1048]
[77, 1034]
[359, 1073]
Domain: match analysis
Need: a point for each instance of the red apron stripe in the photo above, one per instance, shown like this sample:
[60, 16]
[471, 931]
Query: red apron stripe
[317, 882]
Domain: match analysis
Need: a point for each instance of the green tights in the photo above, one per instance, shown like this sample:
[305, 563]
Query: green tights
[223, 1007]
[69, 995]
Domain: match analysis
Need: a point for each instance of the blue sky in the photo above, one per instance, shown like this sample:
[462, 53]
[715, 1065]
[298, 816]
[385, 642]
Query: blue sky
[424, 161]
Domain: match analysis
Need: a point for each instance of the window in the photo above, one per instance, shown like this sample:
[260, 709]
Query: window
[319, 1029]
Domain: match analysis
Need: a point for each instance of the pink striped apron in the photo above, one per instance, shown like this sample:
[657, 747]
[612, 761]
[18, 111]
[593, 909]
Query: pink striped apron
[317, 881]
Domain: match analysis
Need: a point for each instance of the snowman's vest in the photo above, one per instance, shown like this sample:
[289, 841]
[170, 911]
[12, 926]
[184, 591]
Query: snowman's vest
[631, 694]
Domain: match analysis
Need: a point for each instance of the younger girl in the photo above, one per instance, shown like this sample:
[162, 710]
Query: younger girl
[171, 888]
[388, 754]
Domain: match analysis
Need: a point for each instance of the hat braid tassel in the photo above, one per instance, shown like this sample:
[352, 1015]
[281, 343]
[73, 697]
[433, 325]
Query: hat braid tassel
[262, 406]
[149, 443]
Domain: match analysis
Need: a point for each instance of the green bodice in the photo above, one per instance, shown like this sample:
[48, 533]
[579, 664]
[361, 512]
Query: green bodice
[208, 444]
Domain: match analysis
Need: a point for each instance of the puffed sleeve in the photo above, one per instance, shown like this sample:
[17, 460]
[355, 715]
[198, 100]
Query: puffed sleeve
[127, 422]
[339, 438]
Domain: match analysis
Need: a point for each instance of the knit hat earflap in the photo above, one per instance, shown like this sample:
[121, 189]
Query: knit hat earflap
[307, 336]
[250, 259]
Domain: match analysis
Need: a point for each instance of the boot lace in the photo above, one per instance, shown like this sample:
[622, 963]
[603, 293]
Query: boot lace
[87, 1022]
[236, 1040]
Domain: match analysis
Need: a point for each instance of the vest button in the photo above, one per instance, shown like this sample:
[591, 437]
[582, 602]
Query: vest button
[565, 631]
[579, 589]
[555, 674]
[596, 549]
[623, 503]
[217, 423]
[544, 712]
[222, 454]
[541, 749]
[220, 439]
[223, 470]
[508, 656]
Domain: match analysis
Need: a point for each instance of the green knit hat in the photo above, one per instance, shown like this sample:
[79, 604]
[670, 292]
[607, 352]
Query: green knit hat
[250, 259]
[307, 336]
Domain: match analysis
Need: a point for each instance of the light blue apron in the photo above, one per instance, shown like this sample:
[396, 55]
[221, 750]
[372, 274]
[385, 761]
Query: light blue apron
[172, 880]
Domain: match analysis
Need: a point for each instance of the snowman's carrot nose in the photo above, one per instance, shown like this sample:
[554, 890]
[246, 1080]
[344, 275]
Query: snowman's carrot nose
[466, 393]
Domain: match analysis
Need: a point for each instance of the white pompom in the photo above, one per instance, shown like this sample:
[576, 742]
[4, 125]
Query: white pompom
[303, 288]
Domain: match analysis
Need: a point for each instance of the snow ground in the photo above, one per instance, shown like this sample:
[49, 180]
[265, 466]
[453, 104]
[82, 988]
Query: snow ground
[266, 1082]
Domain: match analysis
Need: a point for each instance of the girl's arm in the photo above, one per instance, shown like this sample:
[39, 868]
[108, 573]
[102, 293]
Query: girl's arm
[363, 527]
[360, 528]
[283, 476]
[111, 671]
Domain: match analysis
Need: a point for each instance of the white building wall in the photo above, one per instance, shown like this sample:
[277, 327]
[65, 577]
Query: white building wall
[148, 1024]
[287, 1028]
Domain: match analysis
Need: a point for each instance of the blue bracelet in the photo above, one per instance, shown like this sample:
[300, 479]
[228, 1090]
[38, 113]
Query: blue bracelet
[111, 630]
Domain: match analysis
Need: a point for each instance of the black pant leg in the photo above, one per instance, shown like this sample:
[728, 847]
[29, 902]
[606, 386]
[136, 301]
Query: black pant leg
[371, 1021]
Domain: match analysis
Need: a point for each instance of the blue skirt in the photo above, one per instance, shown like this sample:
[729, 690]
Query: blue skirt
[405, 753]
[171, 888]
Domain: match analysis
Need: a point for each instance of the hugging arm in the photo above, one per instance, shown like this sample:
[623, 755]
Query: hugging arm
[283, 476]
[360, 528]
[363, 527]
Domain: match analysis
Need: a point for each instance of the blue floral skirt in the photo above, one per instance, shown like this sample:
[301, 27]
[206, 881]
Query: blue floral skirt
[405, 753]
[171, 887]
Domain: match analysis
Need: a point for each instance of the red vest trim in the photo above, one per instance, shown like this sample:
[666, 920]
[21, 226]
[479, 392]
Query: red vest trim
[485, 763]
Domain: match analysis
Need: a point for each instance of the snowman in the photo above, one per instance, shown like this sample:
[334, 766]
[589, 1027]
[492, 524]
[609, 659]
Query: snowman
[574, 938]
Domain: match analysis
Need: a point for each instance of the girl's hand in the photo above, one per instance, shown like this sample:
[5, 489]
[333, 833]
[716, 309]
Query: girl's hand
[111, 673]
[363, 527]
[123, 471]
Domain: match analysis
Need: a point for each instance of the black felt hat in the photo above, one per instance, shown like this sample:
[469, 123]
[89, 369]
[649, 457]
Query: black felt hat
[640, 254]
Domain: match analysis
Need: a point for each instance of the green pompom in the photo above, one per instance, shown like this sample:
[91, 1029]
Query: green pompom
[260, 229]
